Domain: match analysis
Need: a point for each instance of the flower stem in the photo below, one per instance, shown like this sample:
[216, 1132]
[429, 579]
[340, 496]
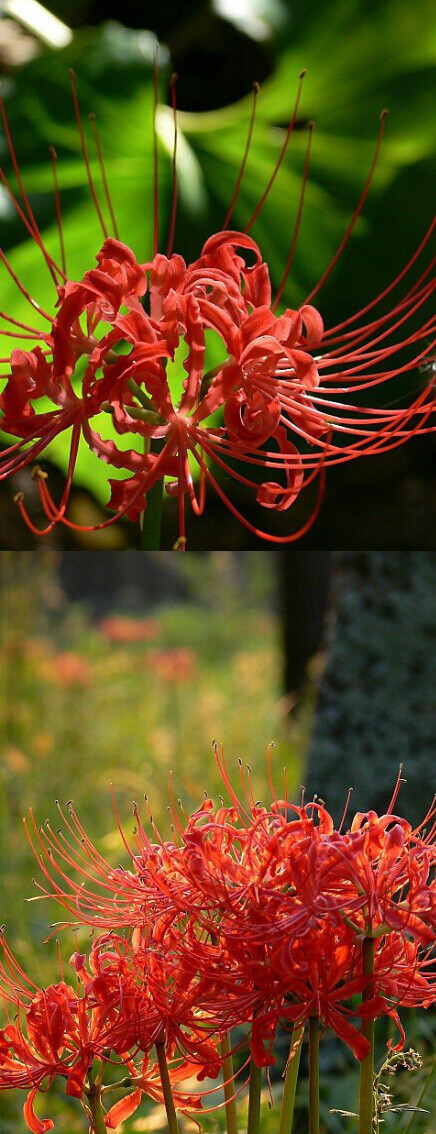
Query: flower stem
[290, 1085]
[173, 1125]
[93, 1093]
[229, 1085]
[366, 1104]
[152, 518]
[254, 1098]
[313, 1075]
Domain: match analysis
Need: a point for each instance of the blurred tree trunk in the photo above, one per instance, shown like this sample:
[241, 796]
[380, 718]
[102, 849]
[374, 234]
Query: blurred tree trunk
[304, 592]
[113, 581]
[377, 706]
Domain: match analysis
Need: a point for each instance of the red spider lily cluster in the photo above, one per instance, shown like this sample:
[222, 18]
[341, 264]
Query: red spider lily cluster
[280, 404]
[121, 628]
[251, 916]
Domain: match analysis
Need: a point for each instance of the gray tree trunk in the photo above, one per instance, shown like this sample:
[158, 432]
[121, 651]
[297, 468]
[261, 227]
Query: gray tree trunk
[377, 700]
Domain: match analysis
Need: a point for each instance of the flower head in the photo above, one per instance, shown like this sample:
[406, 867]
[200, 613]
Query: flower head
[273, 414]
[257, 914]
[114, 1017]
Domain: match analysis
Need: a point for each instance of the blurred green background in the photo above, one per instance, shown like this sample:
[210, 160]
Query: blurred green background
[121, 667]
[360, 55]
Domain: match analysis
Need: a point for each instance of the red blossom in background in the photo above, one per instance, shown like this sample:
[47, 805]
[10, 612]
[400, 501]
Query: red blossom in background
[272, 416]
[120, 628]
[173, 666]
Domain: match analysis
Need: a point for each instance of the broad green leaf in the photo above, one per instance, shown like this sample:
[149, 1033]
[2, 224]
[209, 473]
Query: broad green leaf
[358, 61]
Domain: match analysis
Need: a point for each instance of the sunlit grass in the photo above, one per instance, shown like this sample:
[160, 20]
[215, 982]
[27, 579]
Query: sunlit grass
[84, 711]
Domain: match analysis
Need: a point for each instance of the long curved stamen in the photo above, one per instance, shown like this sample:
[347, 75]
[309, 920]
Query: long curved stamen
[251, 527]
[40, 477]
[107, 194]
[17, 323]
[85, 154]
[387, 290]
[256, 89]
[270, 460]
[290, 128]
[364, 351]
[288, 265]
[356, 214]
[52, 266]
[35, 232]
[399, 781]
[155, 158]
[22, 335]
[147, 476]
[24, 291]
[359, 334]
[174, 196]
[53, 158]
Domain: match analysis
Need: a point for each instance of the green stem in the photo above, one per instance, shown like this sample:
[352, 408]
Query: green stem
[366, 1104]
[290, 1085]
[173, 1125]
[140, 395]
[229, 1085]
[93, 1093]
[254, 1098]
[152, 518]
[313, 1075]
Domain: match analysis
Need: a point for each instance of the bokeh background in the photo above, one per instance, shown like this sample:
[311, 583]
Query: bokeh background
[123, 666]
[361, 55]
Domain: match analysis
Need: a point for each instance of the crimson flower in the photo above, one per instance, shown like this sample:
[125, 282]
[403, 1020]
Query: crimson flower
[57, 1032]
[252, 914]
[121, 628]
[173, 666]
[272, 415]
[112, 1017]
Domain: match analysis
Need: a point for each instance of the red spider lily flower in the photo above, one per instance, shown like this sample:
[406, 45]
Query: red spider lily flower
[120, 628]
[55, 1034]
[251, 916]
[106, 897]
[59, 1032]
[226, 862]
[403, 977]
[288, 979]
[282, 393]
[162, 1002]
[265, 874]
[404, 973]
[324, 981]
[69, 669]
[391, 868]
[175, 666]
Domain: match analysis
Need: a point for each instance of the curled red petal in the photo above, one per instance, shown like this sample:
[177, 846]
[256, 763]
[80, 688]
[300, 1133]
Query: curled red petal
[258, 286]
[235, 239]
[305, 368]
[313, 323]
[251, 419]
[278, 496]
[35, 1124]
